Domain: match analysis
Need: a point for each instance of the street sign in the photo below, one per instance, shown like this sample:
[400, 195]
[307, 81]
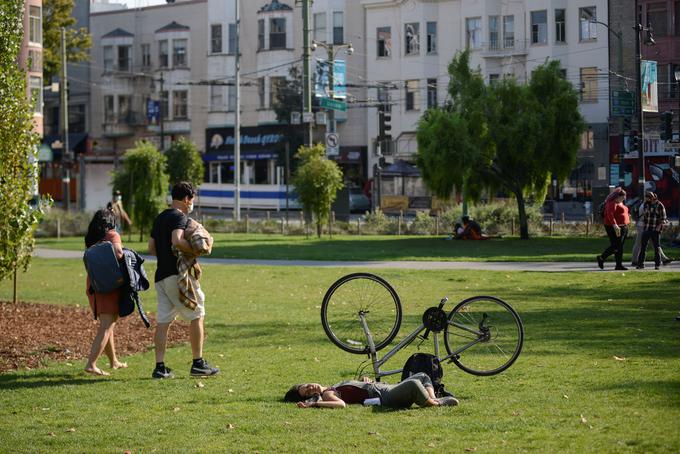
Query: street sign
[623, 103]
[153, 110]
[332, 144]
[333, 104]
[307, 117]
[295, 118]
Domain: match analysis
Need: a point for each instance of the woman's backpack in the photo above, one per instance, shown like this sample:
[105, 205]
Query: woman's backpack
[103, 268]
[430, 365]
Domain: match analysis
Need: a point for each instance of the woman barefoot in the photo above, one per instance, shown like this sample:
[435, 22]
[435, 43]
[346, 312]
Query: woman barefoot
[104, 305]
[417, 389]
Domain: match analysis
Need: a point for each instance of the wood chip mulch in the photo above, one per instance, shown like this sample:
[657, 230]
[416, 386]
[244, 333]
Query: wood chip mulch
[31, 334]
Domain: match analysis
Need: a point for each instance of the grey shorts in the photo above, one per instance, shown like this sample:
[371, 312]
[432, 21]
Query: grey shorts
[169, 305]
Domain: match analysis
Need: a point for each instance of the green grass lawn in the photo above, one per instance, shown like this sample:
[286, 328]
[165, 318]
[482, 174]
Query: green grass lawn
[387, 247]
[566, 392]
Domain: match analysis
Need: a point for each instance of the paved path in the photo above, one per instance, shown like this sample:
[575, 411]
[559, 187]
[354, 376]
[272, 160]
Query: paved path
[412, 265]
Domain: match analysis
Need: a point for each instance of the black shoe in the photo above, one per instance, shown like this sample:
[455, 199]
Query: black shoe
[621, 268]
[600, 262]
[668, 261]
[203, 369]
[656, 267]
[640, 267]
[633, 264]
[162, 372]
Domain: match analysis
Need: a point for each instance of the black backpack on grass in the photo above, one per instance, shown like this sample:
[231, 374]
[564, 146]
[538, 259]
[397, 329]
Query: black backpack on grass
[430, 365]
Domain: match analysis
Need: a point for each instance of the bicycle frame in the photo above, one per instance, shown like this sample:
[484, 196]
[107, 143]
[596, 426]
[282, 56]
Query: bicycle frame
[378, 362]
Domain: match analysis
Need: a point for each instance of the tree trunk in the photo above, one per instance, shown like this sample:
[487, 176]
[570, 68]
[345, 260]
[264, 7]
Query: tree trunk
[141, 234]
[14, 289]
[521, 209]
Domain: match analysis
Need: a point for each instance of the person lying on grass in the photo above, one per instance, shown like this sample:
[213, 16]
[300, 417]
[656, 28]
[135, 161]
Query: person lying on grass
[417, 389]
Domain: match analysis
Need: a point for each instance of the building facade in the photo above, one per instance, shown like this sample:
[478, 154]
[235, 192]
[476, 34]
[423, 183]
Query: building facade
[30, 58]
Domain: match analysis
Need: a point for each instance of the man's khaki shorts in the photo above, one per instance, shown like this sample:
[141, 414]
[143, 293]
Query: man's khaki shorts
[169, 305]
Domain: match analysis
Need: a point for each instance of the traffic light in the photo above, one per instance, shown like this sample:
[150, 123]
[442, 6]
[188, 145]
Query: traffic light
[384, 122]
[634, 142]
[667, 125]
[626, 123]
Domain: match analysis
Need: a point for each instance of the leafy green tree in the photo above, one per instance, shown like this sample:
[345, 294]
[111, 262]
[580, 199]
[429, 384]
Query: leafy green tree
[184, 162]
[508, 136]
[317, 181]
[143, 175]
[18, 172]
[58, 14]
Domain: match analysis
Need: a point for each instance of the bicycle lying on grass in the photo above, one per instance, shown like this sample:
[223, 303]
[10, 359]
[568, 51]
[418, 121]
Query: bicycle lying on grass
[483, 335]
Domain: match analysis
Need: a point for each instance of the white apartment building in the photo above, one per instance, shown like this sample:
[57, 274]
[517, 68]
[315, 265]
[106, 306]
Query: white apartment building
[410, 44]
[139, 56]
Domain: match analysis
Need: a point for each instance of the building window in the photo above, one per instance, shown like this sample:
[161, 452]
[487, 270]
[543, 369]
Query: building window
[493, 33]
[124, 110]
[412, 39]
[108, 58]
[165, 105]
[76, 118]
[338, 28]
[217, 98]
[277, 33]
[587, 140]
[412, 95]
[539, 27]
[589, 84]
[493, 79]
[384, 41]
[384, 97]
[35, 24]
[231, 98]
[261, 92]
[232, 39]
[431, 93]
[560, 26]
[216, 38]
[124, 56]
[108, 109]
[260, 34]
[677, 18]
[35, 87]
[179, 53]
[35, 61]
[664, 83]
[587, 26]
[473, 32]
[163, 53]
[509, 31]
[275, 85]
[180, 109]
[146, 55]
[657, 17]
[431, 37]
[320, 27]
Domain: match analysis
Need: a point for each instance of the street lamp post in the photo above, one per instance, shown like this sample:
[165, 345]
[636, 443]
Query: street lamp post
[331, 50]
[677, 80]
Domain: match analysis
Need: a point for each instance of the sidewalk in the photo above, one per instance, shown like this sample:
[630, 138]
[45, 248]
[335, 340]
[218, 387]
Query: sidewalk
[411, 265]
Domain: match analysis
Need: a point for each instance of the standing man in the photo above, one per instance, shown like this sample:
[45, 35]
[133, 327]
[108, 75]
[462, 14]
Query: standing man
[653, 219]
[168, 231]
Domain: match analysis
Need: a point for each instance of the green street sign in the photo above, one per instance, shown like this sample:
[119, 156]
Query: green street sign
[333, 104]
[623, 103]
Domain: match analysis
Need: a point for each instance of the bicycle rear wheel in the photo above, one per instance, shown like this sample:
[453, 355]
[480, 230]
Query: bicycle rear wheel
[484, 334]
[360, 293]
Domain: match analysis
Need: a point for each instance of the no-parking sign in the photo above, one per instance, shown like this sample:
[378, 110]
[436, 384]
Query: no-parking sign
[332, 144]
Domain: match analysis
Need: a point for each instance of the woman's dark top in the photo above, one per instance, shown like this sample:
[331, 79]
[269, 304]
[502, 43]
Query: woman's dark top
[351, 394]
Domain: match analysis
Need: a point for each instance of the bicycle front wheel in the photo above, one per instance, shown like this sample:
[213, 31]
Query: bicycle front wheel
[360, 293]
[484, 335]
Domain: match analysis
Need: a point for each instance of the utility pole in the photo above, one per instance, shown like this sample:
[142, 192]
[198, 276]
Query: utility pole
[162, 114]
[330, 124]
[66, 153]
[237, 121]
[641, 134]
[306, 82]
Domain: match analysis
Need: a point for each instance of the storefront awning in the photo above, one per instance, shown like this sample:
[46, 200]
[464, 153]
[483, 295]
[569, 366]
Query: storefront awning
[245, 156]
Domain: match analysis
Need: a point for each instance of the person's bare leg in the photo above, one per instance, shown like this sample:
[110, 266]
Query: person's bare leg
[111, 352]
[196, 337]
[101, 340]
[161, 340]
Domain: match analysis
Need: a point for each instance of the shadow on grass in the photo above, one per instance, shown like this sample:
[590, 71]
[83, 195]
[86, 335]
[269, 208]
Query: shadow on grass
[669, 390]
[46, 380]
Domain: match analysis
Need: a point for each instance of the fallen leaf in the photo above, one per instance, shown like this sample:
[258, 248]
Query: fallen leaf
[46, 409]
[470, 449]
[316, 359]
[51, 434]
[230, 390]
[230, 426]
[431, 445]
[515, 413]
[565, 396]
[69, 364]
[176, 409]
[373, 433]
[221, 355]
[619, 358]
[200, 385]
[71, 429]
[583, 419]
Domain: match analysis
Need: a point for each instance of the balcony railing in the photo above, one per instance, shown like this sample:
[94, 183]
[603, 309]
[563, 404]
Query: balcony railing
[505, 48]
[129, 119]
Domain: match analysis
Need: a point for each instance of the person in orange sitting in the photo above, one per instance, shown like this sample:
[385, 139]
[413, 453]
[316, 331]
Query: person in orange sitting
[472, 230]
[616, 220]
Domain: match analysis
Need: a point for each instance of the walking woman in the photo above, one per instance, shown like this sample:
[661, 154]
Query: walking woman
[417, 389]
[616, 220]
[103, 228]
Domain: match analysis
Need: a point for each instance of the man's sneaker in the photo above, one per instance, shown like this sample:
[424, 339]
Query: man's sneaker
[203, 369]
[447, 401]
[600, 262]
[162, 372]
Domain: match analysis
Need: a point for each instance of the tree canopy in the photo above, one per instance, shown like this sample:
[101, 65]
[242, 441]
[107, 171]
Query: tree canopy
[507, 136]
[317, 181]
[18, 169]
[144, 184]
[184, 162]
[58, 14]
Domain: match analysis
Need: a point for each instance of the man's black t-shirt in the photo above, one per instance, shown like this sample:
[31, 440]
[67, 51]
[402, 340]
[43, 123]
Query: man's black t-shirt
[169, 220]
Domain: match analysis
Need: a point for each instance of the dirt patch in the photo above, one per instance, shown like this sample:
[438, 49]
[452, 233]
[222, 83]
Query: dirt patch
[31, 334]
